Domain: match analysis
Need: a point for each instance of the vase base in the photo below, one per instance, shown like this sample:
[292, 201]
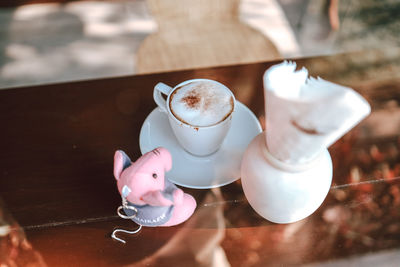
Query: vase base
[283, 196]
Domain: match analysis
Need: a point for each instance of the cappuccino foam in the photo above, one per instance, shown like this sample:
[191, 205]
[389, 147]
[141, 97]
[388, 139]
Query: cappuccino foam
[201, 103]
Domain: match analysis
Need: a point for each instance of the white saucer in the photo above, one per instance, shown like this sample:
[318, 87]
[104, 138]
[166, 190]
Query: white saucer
[218, 169]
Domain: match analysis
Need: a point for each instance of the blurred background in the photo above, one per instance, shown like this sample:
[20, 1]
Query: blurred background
[51, 41]
[47, 41]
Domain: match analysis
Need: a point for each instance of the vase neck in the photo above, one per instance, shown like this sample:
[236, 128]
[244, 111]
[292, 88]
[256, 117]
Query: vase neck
[288, 167]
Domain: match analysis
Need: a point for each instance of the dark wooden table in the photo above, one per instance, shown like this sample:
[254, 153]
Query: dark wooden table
[56, 152]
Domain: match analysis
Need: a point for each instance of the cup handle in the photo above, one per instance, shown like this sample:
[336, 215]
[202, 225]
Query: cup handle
[161, 88]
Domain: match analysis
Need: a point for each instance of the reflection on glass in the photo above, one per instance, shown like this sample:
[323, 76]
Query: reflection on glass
[198, 243]
[15, 250]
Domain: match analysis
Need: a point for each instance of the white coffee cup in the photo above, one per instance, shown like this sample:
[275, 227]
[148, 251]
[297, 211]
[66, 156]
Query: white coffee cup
[197, 140]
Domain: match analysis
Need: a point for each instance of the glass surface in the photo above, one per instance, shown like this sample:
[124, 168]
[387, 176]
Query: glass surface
[358, 223]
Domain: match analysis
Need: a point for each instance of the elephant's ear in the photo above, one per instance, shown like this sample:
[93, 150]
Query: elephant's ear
[121, 162]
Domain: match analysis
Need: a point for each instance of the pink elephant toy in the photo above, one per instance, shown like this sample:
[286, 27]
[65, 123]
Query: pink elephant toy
[149, 199]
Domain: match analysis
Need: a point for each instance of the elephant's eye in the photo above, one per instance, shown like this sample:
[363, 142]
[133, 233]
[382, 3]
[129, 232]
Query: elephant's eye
[155, 175]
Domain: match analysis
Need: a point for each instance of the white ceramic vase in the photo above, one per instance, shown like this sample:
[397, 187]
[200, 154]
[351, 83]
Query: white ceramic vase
[283, 193]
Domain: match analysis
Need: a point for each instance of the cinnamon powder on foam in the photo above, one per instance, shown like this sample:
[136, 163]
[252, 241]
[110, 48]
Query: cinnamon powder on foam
[200, 98]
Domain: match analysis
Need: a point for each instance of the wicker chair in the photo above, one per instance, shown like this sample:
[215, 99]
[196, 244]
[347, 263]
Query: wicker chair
[200, 33]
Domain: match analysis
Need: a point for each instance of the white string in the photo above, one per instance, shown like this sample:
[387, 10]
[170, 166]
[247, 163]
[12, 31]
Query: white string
[123, 216]
[113, 235]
